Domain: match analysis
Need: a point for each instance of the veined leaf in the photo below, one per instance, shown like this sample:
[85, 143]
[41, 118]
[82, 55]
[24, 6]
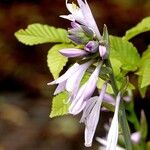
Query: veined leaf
[141, 27]
[37, 34]
[144, 72]
[125, 52]
[55, 60]
[59, 107]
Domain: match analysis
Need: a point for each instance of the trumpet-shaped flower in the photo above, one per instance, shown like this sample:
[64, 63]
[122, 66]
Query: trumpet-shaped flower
[113, 131]
[71, 79]
[82, 14]
[84, 93]
[91, 115]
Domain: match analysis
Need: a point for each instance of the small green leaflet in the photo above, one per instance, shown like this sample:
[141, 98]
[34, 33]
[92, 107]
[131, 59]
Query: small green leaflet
[125, 52]
[55, 60]
[59, 105]
[38, 34]
[141, 27]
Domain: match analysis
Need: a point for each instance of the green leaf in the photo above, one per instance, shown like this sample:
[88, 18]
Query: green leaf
[125, 52]
[37, 34]
[55, 60]
[143, 123]
[59, 107]
[141, 27]
[143, 72]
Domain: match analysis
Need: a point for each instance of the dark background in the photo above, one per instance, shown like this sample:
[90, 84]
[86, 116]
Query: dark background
[25, 98]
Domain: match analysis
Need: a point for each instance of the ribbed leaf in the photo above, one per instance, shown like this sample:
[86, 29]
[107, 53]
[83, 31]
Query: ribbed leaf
[141, 27]
[144, 72]
[125, 52]
[38, 34]
[59, 107]
[55, 60]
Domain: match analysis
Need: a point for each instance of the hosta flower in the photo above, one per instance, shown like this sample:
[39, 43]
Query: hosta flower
[91, 115]
[113, 131]
[82, 14]
[71, 79]
[85, 92]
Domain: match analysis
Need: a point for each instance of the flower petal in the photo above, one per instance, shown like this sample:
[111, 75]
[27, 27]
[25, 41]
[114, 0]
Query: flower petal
[113, 131]
[73, 82]
[60, 87]
[88, 17]
[66, 75]
[93, 117]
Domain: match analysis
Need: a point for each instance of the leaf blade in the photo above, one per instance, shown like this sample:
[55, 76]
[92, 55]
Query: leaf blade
[59, 107]
[55, 60]
[141, 27]
[38, 34]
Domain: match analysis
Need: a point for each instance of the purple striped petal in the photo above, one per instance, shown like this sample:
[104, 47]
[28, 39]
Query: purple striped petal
[60, 88]
[93, 118]
[66, 75]
[73, 52]
[73, 82]
[88, 17]
[114, 128]
[78, 104]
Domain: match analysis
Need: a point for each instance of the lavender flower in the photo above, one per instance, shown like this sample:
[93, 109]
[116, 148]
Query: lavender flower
[91, 115]
[85, 92]
[71, 79]
[73, 52]
[82, 14]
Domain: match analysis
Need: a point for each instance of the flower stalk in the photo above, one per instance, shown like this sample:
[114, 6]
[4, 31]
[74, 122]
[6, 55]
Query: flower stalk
[122, 114]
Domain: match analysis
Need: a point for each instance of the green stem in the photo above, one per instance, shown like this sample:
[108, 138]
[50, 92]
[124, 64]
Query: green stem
[122, 114]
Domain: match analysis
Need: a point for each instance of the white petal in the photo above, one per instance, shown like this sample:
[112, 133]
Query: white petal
[113, 131]
[60, 87]
[91, 124]
[88, 17]
[104, 142]
[66, 75]
[73, 82]
[77, 106]
[90, 104]
[68, 17]
[91, 83]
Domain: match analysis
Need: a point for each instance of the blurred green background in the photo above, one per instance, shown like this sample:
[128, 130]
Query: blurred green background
[25, 98]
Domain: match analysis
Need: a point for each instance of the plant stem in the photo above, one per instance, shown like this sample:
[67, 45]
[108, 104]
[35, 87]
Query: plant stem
[122, 114]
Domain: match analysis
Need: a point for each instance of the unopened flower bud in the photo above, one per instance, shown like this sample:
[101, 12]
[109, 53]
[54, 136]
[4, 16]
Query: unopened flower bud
[91, 46]
[136, 137]
[73, 52]
[103, 52]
